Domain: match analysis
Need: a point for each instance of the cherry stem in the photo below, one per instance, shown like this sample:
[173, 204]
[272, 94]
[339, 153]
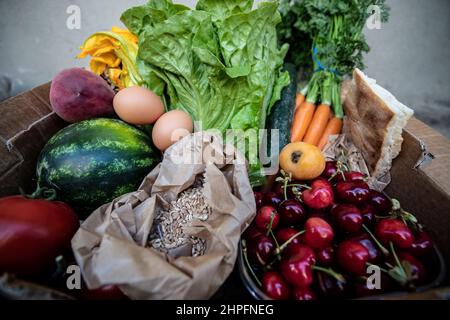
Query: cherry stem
[288, 241]
[249, 267]
[270, 264]
[341, 168]
[397, 260]
[344, 163]
[330, 272]
[274, 239]
[375, 265]
[299, 185]
[286, 181]
[407, 217]
[381, 217]
[395, 205]
[281, 248]
[334, 175]
[272, 217]
[382, 248]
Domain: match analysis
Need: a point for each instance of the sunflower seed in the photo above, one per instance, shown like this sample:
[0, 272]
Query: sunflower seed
[168, 229]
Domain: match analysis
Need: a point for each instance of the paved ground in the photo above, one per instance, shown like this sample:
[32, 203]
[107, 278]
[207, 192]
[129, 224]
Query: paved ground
[410, 55]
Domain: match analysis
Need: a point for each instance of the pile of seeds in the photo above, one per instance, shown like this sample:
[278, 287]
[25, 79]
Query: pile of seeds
[168, 227]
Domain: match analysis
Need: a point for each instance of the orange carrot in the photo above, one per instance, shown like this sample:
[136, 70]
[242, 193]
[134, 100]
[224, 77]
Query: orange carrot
[302, 119]
[334, 127]
[299, 100]
[318, 124]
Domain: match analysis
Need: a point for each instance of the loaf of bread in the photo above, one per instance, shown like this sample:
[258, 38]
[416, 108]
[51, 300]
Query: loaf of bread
[374, 120]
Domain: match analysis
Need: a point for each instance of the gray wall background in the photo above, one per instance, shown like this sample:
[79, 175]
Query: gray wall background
[410, 55]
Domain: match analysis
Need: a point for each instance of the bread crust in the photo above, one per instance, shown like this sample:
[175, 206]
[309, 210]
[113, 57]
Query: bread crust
[374, 121]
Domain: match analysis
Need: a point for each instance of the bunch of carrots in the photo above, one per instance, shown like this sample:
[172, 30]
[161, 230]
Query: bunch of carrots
[318, 113]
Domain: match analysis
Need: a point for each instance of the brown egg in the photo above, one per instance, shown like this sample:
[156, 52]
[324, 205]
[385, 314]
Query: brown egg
[138, 105]
[171, 127]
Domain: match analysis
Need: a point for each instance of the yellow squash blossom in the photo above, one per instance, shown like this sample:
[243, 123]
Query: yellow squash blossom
[113, 52]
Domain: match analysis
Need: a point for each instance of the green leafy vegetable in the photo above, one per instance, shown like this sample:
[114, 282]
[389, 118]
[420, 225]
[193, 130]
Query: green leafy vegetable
[331, 32]
[224, 8]
[336, 24]
[152, 13]
[220, 62]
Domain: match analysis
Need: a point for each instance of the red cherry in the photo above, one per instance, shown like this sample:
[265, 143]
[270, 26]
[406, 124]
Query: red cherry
[382, 204]
[320, 196]
[274, 286]
[395, 231]
[375, 254]
[322, 214]
[329, 287]
[296, 267]
[386, 284]
[264, 217]
[299, 249]
[352, 176]
[252, 233]
[422, 245]
[300, 293]
[354, 192]
[272, 199]
[294, 188]
[418, 274]
[322, 183]
[330, 170]
[368, 213]
[347, 217]
[318, 233]
[283, 235]
[325, 256]
[292, 212]
[353, 257]
[278, 188]
[260, 250]
[258, 199]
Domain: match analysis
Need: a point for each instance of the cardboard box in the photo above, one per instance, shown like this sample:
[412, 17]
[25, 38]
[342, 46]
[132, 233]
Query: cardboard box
[420, 175]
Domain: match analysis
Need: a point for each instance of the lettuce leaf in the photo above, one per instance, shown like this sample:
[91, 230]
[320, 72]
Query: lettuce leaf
[220, 62]
[154, 12]
[224, 8]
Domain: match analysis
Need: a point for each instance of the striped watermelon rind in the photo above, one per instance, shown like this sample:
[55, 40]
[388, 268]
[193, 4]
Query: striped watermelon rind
[92, 162]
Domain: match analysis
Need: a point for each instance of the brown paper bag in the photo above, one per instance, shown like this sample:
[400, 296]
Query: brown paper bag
[111, 245]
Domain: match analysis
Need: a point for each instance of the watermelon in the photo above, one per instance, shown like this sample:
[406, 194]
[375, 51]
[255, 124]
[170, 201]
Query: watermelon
[92, 162]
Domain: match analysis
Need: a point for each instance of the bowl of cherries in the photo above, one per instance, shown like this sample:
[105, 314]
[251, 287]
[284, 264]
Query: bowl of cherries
[334, 237]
